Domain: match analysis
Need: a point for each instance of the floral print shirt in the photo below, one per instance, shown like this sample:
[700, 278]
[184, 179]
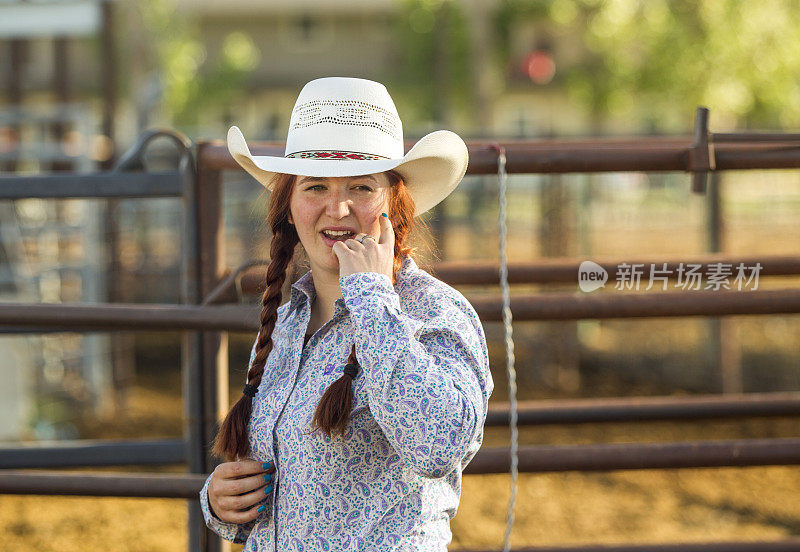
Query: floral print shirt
[419, 405]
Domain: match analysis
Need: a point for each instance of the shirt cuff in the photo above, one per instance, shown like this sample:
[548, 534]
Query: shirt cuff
[234, 532]
[361, 286]
[377, 315]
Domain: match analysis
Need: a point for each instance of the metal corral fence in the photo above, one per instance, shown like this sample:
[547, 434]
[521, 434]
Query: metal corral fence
[207, 284]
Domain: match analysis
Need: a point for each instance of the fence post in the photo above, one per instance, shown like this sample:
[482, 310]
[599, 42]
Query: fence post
[205, 376]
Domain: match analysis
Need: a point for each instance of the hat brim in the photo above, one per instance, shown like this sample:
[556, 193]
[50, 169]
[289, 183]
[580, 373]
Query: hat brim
[431, 169]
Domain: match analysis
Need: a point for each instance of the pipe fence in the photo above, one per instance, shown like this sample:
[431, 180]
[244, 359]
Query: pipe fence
[206, 318]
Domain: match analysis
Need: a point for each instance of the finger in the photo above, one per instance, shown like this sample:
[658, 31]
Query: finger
[354, 245]
[249, 513]
[340, 249]
[232, 487]
[367, 240]
[242, 517]
[243, 468]
[237, 503]
[387, 232]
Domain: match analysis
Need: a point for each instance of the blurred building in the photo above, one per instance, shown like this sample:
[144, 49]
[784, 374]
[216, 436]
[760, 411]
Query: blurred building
[299, 41]
[51, 251]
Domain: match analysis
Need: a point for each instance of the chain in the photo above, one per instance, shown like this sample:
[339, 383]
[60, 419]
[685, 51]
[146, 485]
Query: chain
[509, 342]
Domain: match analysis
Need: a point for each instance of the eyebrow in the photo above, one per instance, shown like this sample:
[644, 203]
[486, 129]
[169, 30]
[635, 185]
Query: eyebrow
[322, 178]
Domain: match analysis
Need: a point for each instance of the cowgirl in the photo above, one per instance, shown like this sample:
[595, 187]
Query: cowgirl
[367, 391]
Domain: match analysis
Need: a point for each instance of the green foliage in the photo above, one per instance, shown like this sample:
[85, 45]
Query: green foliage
[645, 58]
[509, 13]
[190, 82]
[415, 29]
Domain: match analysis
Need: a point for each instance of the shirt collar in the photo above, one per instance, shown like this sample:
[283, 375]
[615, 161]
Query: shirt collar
[407, 269]
[303, 289]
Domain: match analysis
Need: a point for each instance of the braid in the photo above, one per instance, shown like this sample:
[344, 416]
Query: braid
[333, 409]
[231, 441]
[281, 253]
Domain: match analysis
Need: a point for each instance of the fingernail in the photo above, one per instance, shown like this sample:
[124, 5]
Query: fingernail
[261, 508]
[268, 489]
[268, 477]
[267, 465]
[384, 215]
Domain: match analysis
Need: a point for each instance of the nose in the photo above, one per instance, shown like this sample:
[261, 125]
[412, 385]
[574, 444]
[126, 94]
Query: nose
[338, 205]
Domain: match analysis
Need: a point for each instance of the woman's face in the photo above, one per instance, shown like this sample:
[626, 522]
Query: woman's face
[329, 209]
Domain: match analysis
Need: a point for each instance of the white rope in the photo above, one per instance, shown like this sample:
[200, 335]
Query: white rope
[509, 345]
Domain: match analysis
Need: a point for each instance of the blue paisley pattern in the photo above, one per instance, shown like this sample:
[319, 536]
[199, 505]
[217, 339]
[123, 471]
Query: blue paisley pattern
[419, 405]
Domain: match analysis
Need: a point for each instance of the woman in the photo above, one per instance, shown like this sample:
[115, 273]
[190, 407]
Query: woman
[367, 390]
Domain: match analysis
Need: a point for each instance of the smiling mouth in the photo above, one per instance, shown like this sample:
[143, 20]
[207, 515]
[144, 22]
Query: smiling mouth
[337, 235]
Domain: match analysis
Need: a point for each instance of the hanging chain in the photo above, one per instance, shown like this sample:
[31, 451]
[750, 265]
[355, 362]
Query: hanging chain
[509, 342]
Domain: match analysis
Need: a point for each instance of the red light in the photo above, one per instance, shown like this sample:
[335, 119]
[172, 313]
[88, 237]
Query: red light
[539, 66]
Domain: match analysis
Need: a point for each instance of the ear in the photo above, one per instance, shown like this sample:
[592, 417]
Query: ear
[289, 218]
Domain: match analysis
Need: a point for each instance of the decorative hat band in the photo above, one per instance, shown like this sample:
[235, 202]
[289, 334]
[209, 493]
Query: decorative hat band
[334, 155]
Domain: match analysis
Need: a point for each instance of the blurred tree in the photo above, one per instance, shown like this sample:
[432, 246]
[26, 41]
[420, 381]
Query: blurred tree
[654, 58]
[433, 40]
[190, 83]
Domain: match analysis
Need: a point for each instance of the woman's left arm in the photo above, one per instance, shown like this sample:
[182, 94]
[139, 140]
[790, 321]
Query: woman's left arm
[427, 377]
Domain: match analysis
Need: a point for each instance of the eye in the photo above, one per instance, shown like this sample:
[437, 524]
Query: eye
[363, 187]
[315, 187]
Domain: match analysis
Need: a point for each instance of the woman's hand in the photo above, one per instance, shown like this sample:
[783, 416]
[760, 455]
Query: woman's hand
[373, 255]
[236, 490]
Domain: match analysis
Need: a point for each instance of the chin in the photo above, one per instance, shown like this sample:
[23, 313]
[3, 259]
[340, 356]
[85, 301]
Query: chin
[329, 263]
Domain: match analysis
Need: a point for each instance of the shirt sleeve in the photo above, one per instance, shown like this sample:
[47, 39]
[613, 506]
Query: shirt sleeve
[428, 379]
[234, 532]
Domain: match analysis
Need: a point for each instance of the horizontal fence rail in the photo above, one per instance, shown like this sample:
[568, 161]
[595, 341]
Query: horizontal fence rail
[541, 412]
[640, 456]
[176, 485]
[639, 409]
[730, 152]
[790, 545]
[572, 306]
[546, 306]
[532, 459]
[92, 185]
[106, 317]
[93, 453]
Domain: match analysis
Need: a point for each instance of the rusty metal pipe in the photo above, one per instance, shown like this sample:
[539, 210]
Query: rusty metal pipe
[572, 306]
[789, 545]
[640, 456]
[105, 317]
[586, 156]
[533, 459]
[130, 485]
[92, 453]
[640, 409]
[549, 306]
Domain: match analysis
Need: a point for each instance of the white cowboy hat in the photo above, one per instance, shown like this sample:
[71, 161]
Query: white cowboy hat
[342, 126]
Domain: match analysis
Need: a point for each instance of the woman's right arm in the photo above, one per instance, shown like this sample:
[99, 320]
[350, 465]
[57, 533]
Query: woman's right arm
[235, 495]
